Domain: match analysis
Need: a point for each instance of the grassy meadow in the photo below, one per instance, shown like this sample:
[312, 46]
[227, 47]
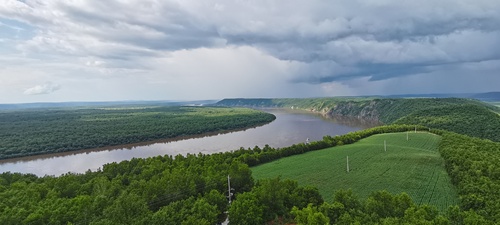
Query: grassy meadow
[412, 166]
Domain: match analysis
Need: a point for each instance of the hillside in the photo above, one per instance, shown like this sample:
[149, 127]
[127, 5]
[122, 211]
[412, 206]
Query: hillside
[384, 110]
[322, 105]
[472, 165]
[412, 166]
[481, 118]
[472, 120]
[389, 110]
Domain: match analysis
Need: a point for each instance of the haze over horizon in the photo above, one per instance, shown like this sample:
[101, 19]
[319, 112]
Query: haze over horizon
[80, 50]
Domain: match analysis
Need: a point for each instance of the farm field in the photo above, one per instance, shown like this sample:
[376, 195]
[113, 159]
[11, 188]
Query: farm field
[412, 166]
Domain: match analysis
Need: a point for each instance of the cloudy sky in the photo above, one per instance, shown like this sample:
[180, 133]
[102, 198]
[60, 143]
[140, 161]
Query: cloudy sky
[90, 50]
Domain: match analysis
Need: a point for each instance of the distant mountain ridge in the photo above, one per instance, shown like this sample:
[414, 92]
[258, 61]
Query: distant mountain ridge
[489, 96]
[98, 104]
[486, 96]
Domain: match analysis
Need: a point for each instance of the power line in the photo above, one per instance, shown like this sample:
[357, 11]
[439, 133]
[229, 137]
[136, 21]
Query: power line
[179, 193]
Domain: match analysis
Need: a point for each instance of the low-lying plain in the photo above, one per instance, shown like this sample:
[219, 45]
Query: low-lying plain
[408, 162]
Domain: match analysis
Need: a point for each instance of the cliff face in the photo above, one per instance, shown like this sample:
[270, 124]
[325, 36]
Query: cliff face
[366, 109]
[464, 116]
[380, 110]
[362, 110]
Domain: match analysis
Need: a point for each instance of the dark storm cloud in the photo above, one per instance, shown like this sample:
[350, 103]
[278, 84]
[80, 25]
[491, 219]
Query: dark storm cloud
[275, 27]
[368, 41]
[324, 41]
[167, 27]
[376, 72]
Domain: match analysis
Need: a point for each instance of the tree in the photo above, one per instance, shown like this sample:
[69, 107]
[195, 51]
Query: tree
[219, 200]
[309, 216]
[246, 210]
[128, 208]
[348, 199]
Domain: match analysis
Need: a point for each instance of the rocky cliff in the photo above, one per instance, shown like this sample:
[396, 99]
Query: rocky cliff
[384, 110]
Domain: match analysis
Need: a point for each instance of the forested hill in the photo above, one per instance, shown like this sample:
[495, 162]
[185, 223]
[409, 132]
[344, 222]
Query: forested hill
[465, 116]
[322, 105]
[471, 120]
[383, 110]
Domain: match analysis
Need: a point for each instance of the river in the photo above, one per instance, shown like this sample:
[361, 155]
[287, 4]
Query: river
[290, 127]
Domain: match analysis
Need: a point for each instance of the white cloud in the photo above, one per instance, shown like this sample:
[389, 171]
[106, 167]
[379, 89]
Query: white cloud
[219, 72]
[213, 49]
[46, 88]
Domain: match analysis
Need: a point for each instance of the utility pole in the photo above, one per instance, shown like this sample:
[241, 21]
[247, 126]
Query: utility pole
[230, 194]
[348, 164]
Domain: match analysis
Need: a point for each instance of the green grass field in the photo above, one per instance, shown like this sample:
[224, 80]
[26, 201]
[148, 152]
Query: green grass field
[413, 166]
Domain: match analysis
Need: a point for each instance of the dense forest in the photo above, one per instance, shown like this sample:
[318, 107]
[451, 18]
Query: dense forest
[471, 120]
[311, 104]
[385, 110]
[473, 165]
[388, 107]
[192, 189]
[464, 116]
[39, 131]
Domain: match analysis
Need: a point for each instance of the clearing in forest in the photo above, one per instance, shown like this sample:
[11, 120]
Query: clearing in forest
[413, 166]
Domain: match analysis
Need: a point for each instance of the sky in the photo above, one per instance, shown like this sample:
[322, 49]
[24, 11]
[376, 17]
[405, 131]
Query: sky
[114, 50]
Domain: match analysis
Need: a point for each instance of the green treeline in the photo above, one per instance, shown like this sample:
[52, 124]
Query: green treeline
[157, 190]
[413, 166]
[471, 120]
[385, 110]
[313, 104]
[473, 165]
[192, 190]
[464, 116]
[282, 202]
[256, 156]
[30, 132]
[391, 110]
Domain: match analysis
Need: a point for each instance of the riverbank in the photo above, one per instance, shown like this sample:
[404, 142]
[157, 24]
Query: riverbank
[43, 131]
[124, 146]
[287, 129]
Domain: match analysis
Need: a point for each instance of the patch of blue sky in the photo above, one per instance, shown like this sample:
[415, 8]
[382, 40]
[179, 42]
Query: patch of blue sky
[15, 30]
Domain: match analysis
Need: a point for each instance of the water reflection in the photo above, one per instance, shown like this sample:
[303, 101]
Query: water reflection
[116, 147]
[290, 127]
